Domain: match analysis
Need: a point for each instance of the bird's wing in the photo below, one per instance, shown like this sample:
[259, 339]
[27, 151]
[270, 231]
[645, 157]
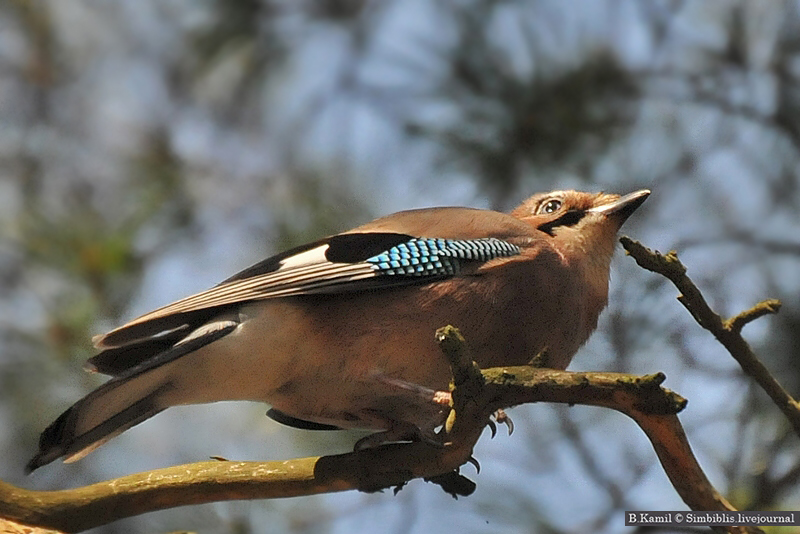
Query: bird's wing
[366, 258]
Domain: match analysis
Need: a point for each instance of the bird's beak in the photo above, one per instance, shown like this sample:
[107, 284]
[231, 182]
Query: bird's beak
[623, 207]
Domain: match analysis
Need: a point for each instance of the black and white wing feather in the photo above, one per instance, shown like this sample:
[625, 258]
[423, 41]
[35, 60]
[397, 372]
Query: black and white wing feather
[342, 263]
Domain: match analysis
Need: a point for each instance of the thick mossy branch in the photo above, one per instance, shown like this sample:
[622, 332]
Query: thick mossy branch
[476, 396]
[727, 332]
[78, 509]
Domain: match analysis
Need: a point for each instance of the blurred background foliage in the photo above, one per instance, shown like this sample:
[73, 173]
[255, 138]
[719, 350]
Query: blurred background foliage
[150, 148]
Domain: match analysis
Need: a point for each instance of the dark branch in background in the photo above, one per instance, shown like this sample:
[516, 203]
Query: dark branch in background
[476, 396]
[727, 332]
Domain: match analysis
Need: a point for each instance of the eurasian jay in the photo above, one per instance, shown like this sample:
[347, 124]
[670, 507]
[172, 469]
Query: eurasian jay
[339, 333]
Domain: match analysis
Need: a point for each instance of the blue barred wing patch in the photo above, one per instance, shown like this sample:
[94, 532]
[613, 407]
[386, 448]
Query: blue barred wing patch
[436, 257]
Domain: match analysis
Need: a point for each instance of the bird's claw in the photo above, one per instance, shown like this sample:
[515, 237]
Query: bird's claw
[474, 462]
[501, 417]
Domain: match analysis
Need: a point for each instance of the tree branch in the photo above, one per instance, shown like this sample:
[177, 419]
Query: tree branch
[727, 332]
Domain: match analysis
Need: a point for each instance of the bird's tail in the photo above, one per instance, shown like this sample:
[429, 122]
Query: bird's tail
[135, 393]
[106, 412]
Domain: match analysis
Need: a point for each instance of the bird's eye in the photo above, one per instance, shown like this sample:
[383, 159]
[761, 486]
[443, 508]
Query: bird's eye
[551, 206]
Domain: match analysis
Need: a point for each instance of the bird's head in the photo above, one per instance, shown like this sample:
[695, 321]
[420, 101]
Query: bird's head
[581, 225]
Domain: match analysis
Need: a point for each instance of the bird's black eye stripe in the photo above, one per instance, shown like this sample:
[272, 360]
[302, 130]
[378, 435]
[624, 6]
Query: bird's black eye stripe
[569, 218]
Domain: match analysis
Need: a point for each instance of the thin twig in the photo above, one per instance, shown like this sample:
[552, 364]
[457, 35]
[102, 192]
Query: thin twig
[765, 307]
[727, 332]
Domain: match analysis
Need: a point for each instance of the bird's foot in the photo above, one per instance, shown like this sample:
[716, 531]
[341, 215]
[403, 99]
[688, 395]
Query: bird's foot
[454, 484]
[501, 417]
[445, 398]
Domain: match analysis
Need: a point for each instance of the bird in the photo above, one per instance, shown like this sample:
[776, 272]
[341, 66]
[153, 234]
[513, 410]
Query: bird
[340, 333]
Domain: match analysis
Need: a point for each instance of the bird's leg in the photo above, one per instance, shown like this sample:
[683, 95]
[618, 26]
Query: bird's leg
[426, 400]
[425, 393]
[398, 431]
